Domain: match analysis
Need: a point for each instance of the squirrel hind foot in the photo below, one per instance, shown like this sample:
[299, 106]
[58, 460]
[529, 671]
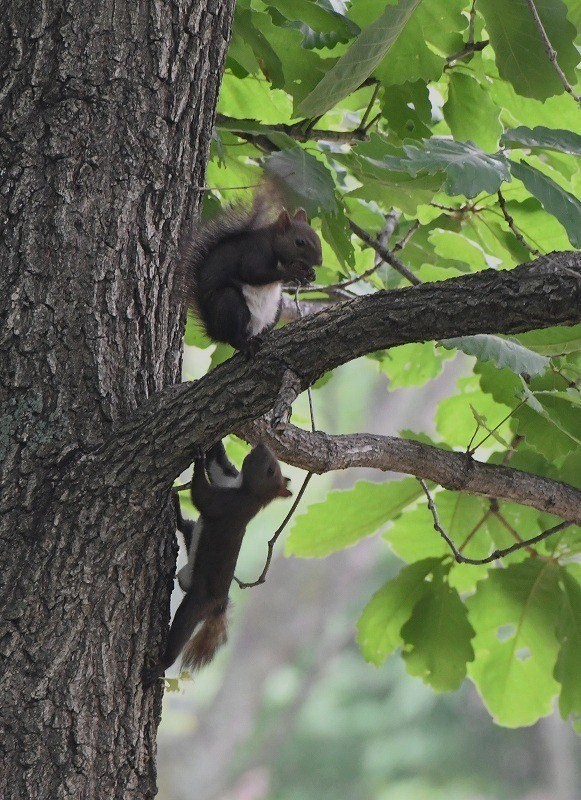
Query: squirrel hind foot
[251, 347]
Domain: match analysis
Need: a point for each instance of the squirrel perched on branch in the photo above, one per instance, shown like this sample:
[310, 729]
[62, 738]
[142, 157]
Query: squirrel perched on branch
[233, 267]
[226, 506]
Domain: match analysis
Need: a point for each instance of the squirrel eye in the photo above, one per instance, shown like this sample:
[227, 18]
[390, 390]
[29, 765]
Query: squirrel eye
[270, 472]
[299, 242]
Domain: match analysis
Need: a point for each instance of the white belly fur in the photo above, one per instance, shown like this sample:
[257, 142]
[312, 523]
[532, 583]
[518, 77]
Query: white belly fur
[218, 478]
[186, 574]
[263, 303]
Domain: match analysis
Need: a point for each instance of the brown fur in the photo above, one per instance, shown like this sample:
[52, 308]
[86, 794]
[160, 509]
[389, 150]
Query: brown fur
[202, 647]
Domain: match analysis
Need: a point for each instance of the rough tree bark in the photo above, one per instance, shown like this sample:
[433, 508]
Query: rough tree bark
[106, 112]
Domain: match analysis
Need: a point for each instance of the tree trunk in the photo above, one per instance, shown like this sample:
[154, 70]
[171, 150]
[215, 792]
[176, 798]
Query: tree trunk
[106, 112]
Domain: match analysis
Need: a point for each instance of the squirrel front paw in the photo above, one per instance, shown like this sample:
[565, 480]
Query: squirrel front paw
[298, 271]
[200, 455]
[252, 346]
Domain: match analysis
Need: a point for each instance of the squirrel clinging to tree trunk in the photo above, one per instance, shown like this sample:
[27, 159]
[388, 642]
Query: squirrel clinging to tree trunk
[226, 506]
[232, 269]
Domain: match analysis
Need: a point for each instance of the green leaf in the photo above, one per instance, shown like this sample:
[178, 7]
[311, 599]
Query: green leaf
[345, 517]
[407, 109]
[419, 53]
[360, 60]
[302, 68]
[469, 170]
[336, 232]
[308, 181]
[570, 395]
[562, 415]
[172, 684]
[411, 364]
[404, 192]
[471, 113]
[482, 423]
[502, 352]
[222, 353]
[515, 613]
[321, 24]
[246, 36]
[520, 53]
[382, 618]
[437, 638]
[555, 199]
[195, 335]
[459, 249]
[454, 419]
[540, 229]
[568, 667]
[549, 138]
[412, 536]
[244, 97]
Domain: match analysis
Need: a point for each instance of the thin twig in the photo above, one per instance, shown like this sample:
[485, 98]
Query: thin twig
[467, 50]
[261, 578]
[511, 224]
[516, 442]
[506, 524]
[459, 212]
[457, 554]
[496, 427]
[384, 253]
[372, 122]
[475, 530]
[200, 188]
[551, 52]
[337, 290]
[471, 23]
[369, 107]
[403, 241]
[556, 371]
[297, 131]
[341, 286]
[471, 46]
[469, 450]
[461, 559]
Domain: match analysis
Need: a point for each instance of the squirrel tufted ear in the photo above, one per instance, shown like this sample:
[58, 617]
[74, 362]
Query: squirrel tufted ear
[301, 215]
[283, 221]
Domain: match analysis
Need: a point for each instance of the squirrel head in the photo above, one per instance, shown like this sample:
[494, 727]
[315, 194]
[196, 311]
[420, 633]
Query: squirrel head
[262, 477]
[294, 240]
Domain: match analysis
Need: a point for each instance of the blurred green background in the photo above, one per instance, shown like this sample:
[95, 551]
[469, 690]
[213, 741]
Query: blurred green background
[291, 711]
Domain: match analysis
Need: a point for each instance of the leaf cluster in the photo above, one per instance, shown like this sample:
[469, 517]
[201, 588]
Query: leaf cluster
[442, 129]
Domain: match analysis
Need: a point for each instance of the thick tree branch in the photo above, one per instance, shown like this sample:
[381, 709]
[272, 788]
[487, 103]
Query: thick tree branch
[320, 452]
[537, 295]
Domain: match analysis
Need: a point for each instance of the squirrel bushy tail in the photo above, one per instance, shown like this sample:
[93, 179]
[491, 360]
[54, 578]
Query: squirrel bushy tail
[201, 648]
[239, 217]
